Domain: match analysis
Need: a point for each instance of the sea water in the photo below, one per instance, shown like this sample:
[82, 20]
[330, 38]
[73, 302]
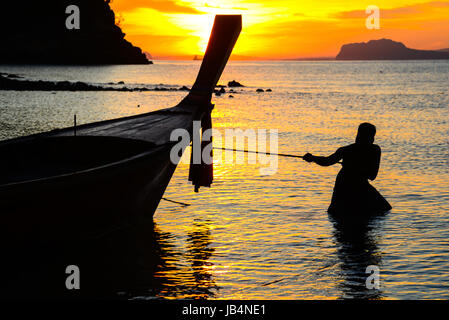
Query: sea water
[253, 236]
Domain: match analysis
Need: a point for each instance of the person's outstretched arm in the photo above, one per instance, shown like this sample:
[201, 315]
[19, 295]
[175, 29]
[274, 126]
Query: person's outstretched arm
[325, 161]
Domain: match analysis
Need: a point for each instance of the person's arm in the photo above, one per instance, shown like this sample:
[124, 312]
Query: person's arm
[374, 165]
[325, 161]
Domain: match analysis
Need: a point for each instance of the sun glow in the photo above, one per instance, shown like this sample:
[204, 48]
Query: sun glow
[199, 26]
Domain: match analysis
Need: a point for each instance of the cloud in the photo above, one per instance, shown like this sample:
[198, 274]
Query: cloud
[393, 13]
[165, 6]
[206, 5]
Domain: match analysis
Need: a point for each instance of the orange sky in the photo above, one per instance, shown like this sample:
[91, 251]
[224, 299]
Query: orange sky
[280, 29]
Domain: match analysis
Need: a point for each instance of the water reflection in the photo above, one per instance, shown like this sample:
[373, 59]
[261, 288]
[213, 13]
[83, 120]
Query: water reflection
[357, 249]
[189, 276]
[198, 253]
[140, 262]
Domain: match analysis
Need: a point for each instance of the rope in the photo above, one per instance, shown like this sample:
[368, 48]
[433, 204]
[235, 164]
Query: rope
[268, 153]
[246, 151]
[177, 202]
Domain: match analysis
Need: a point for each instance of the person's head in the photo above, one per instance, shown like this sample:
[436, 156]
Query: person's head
[365, 133]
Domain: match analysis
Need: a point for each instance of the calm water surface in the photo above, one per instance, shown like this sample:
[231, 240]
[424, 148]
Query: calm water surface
[269, 237]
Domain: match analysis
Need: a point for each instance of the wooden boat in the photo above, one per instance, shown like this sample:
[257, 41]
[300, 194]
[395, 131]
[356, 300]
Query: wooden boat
[84, 180]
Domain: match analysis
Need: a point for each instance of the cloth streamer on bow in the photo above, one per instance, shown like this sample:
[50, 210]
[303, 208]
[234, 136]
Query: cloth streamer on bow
[202, 174]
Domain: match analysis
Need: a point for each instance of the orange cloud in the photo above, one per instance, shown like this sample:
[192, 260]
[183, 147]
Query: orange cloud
[158, 5]
[416, 10]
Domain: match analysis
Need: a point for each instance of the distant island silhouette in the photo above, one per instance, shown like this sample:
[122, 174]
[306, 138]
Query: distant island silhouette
[386, 49]
[34, 32]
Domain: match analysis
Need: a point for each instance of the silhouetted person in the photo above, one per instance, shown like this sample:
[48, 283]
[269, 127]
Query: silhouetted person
[353, 194]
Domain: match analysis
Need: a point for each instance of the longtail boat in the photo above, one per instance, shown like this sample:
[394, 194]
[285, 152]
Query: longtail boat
[86, 179]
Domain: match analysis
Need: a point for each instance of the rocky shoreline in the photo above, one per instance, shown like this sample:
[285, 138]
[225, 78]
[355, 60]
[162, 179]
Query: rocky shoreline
[15, 82]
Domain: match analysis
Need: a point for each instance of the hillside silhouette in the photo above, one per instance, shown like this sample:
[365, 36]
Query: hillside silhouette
[386, 49]
[34, 32]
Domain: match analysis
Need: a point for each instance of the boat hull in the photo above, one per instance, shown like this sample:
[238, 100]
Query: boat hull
[87, 203]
